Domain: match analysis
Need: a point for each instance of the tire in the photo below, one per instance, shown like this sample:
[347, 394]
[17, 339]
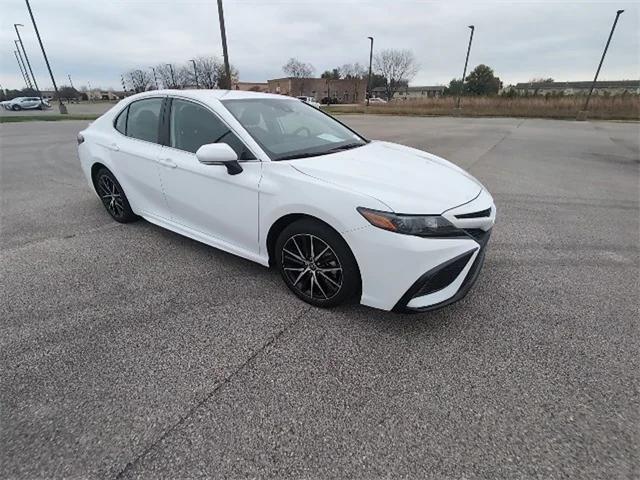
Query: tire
[113, 198]
[16, 108]
[331, 278]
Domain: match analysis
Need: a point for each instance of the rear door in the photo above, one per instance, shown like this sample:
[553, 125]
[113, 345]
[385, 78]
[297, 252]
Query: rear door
[135, 153]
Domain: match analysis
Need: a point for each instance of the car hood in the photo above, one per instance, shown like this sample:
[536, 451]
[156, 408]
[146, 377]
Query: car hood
[405, 179]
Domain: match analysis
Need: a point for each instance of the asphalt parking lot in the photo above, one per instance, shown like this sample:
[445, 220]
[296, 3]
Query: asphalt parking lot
[128, 351]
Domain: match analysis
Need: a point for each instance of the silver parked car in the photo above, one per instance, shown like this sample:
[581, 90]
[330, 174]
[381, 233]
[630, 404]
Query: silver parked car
[27, 103]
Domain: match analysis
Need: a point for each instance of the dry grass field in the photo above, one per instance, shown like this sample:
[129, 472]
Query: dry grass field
[604, 108]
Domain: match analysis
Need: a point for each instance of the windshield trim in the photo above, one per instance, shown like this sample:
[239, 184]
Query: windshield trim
[305, 153]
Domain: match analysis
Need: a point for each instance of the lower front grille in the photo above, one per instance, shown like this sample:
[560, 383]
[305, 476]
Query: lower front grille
[443, 275]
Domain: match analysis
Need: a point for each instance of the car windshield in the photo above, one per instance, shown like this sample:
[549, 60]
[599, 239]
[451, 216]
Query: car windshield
[287, 129]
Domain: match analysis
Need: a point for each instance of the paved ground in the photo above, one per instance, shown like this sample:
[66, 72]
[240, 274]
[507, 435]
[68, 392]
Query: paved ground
[129, 351]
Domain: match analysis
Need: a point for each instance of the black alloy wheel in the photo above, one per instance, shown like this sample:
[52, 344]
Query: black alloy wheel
[113, 197]
[317, 264]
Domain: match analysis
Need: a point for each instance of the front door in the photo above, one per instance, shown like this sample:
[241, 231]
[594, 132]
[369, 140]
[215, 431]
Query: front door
[205, 198]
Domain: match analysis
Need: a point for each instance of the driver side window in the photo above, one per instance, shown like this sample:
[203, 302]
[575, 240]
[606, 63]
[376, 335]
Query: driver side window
[191, 126]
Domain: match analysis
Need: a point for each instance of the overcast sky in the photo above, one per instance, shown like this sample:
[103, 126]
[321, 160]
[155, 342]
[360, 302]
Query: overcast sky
[96, 40]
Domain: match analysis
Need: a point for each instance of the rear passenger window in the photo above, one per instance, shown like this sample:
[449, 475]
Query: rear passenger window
[192, 126]
[143, 119]
[121, 122]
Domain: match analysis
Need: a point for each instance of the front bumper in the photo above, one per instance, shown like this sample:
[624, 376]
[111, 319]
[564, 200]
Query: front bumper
[458, 281]
[406, 273]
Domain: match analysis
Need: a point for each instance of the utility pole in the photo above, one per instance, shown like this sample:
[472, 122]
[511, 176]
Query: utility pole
[70, 81]
[582, 115]
[173, 79]
[23, 66]
[35, 84]
[464, 72]
[20, 65]
[225, 53]
[369, 79]
[195, 72]
[63, 109]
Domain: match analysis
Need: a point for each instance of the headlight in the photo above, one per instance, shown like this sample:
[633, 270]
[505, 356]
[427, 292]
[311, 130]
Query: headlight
[419, 225]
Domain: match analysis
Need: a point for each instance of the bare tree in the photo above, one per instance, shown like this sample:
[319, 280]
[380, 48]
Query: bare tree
[139, 80]
[166, 74]
[353, 70]
[208, 68]
[397, 66]
[297, 69]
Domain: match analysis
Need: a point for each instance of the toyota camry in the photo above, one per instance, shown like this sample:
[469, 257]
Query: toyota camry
[282, 183]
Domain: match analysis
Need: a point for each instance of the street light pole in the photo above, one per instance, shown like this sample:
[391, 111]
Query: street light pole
[155, 77]
[173, 79]
[62, 108]
[369, 78]
[464, 72]
[606, 47]
[22, 72]
[225, 53]
[195, 72]
[23, 66]
[35, 83]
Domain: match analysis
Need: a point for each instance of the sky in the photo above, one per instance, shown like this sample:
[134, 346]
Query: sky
[95, 41]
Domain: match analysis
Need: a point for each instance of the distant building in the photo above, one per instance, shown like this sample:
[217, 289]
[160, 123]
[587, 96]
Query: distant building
[413, 93]
[410, 93]
[344, 90]
[251, 86]
[615, 87]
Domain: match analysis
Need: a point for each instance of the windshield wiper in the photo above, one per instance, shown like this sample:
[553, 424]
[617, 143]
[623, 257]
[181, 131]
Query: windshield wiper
[299, 155]
[348, 146]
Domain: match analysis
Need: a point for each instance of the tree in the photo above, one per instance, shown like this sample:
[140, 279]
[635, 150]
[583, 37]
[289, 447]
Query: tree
[66, 92]
[331, 74]
[455, 86]
[398, 67]
[482, 81]
[166, 74]
[297, 69]
[353, 71]
[138, 80]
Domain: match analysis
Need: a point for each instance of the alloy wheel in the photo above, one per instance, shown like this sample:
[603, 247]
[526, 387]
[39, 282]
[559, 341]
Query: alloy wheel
[312, 267]
[111, 196]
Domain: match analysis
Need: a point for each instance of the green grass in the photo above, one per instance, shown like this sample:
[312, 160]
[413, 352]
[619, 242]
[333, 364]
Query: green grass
[44, 118]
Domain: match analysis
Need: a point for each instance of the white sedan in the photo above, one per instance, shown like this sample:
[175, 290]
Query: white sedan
[278, 182]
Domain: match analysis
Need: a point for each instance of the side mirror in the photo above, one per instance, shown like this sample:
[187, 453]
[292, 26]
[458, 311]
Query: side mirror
[219, 154]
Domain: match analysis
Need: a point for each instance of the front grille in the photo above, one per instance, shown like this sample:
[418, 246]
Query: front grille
[444, 275]
[480, 214]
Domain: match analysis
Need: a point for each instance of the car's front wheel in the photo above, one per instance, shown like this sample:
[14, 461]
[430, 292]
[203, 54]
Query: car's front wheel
[15, 108]
[113, 197]
[317, 264]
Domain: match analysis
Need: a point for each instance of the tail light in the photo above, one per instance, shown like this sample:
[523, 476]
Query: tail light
[80, 138]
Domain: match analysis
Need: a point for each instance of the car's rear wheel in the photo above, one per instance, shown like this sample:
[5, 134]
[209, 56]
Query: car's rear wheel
[317, 264]
[113, 197]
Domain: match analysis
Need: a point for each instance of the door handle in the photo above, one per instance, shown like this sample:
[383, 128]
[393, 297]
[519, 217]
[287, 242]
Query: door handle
[167, 162]
[114, 147]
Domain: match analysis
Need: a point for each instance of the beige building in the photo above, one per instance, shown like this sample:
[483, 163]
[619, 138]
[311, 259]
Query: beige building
[615, 87]
[343, 90]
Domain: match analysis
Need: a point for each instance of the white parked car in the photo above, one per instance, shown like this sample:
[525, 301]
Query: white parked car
[275, 181]
[310, 100]
[27, 103]
[376, 100]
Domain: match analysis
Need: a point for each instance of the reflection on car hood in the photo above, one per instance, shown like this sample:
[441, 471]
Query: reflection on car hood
[405, 179]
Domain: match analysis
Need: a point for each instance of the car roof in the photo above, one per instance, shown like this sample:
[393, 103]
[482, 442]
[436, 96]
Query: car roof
[208, 95]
